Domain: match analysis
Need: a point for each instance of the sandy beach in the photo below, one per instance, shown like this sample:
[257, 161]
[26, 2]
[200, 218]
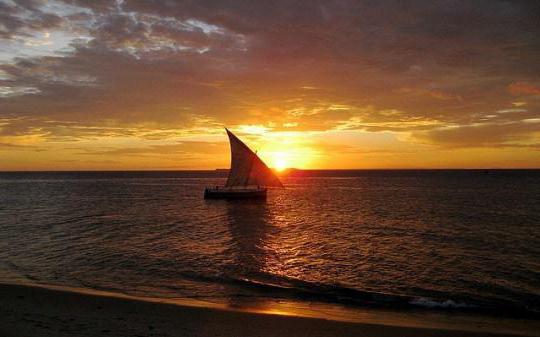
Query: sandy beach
[36, 311]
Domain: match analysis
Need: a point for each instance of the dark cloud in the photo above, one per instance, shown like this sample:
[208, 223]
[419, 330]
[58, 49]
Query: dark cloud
[182, 148]
[524, 89]
[23, 17]
[488, 135]
[8, 146]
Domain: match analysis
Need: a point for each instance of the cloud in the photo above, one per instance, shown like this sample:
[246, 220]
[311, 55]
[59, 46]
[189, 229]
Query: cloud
[10, 146]
[509, 134]
[524, 88]
[431, 93]
[23, 17]
[155, 36]
[182, 148]
[6, 91]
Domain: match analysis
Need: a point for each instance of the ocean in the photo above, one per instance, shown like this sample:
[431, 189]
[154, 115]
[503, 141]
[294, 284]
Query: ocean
[428, 240]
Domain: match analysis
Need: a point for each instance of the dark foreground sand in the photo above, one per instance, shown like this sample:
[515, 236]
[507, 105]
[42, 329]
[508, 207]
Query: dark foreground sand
[34, 311]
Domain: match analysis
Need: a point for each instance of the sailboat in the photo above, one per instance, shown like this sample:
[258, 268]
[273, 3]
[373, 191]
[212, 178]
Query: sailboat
[248, 177]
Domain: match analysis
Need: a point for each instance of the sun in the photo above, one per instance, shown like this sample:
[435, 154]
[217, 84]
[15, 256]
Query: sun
[280, 164]
[279, 161]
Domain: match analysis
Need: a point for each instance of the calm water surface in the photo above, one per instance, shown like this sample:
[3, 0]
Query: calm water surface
[446, 240]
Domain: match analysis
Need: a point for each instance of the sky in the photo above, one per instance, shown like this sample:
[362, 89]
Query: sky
[134, 85]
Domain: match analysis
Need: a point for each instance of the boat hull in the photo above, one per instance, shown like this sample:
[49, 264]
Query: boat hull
[234, 193]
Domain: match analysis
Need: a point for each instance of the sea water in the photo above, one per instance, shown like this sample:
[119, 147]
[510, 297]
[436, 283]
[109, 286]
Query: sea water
[456, 240]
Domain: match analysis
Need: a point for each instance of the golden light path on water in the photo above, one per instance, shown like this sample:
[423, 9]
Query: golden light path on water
[267, 252]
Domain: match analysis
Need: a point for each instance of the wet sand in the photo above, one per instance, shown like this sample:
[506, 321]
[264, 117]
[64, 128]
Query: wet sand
[35, 311]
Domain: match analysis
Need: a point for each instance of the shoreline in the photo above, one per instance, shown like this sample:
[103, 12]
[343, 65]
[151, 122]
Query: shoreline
[42, 310]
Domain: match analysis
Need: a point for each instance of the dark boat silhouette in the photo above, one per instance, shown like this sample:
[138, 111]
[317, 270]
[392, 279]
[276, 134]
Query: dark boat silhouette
[248, 177]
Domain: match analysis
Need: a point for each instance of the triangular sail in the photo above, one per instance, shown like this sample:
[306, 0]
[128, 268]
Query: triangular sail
[247, 168]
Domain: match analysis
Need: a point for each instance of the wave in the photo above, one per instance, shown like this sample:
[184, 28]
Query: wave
[277, 287]
[262, 285]
[447, 304]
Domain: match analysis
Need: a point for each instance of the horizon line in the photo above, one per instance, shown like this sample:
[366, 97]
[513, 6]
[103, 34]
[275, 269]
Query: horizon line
[283, 171]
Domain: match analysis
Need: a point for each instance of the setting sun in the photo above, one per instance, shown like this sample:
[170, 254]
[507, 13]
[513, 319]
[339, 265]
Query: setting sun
[280, 165]
[279, 161]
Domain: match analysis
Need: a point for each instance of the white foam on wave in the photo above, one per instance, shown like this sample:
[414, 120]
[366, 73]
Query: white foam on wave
[430, 303]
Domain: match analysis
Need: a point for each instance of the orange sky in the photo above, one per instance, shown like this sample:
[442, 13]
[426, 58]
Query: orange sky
[347, 84]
